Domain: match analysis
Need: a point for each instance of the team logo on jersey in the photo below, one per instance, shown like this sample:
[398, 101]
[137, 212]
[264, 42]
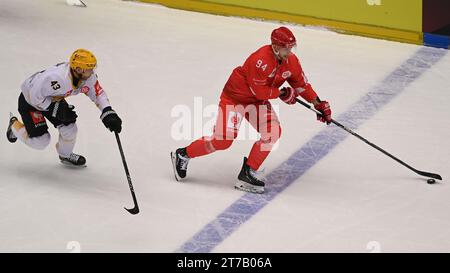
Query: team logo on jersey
[37, 117]
[85, 89]
[286, 74]
[234, 120]
[98, 88]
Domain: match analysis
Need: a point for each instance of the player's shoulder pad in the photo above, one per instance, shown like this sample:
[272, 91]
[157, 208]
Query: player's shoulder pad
[264, 59]
[56, 72]
[293, 59]
[52, 85]
[92, 79]
[265, 53]
[52, 77]
[294, 62]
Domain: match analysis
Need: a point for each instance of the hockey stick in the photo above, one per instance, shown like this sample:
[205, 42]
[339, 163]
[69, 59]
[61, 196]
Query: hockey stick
[134, 210]
[76, 3]
[427, 174]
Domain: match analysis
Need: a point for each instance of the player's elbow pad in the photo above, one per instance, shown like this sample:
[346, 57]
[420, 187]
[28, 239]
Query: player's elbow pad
[307, 93]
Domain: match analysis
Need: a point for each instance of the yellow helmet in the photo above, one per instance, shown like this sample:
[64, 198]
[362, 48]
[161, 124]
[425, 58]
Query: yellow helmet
[83, 59]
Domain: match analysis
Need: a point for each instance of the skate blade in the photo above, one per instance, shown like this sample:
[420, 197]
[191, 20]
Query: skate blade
[70, 165]
[244, 186]
[76, 3]
[9, 134]
[173, 157]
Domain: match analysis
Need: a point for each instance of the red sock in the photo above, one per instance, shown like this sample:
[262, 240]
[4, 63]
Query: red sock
[201, 146]
[257, 156]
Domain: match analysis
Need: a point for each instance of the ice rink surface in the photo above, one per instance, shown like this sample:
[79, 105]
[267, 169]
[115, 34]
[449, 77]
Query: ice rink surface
[326, 192]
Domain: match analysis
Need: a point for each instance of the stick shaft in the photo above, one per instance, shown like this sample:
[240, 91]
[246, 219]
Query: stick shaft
[437, 176]
[125, 166]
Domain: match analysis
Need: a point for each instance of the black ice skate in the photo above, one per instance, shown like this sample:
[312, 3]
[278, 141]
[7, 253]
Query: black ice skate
[73, 160]
[248, 180]
[9, 133]
[180, 162]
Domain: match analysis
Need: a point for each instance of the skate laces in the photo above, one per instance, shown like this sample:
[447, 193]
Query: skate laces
[183, 162]
[260, 175]
[73, 157]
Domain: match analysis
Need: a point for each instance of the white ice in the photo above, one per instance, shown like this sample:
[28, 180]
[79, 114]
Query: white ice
[152, 59]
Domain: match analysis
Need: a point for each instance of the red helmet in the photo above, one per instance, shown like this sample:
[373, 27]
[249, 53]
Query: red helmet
[282, 36]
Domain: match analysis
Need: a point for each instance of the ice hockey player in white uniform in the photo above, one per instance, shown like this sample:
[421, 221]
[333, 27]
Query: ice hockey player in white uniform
[43, 98]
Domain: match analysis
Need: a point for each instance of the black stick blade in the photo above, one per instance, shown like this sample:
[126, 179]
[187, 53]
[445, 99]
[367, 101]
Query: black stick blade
[133, 211]
[432, 175]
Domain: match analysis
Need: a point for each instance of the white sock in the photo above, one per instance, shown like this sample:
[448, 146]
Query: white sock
[67, 139]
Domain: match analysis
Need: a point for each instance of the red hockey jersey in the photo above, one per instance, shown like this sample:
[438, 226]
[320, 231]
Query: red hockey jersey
[261, 75]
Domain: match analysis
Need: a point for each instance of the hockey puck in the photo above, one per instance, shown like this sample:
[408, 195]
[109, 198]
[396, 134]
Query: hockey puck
[431, 181]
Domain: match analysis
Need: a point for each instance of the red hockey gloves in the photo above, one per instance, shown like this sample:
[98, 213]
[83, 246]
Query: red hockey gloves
[324, 108]
[288, 95]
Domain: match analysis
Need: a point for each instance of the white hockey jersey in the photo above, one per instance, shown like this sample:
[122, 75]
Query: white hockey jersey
[55, 83]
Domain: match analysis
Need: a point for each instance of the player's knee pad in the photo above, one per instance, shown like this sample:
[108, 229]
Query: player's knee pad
[68, 132]
[40, 142]
[222, 144]
[273, 135]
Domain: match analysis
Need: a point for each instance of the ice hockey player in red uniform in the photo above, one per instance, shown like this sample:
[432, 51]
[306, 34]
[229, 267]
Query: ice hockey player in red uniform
[43, 98]
[246, 95]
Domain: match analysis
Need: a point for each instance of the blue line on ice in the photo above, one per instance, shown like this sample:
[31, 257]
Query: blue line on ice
[311, 152]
